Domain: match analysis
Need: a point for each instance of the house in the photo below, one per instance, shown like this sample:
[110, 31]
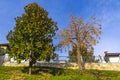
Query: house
[2, 57]
[4, 45]
[112, 57]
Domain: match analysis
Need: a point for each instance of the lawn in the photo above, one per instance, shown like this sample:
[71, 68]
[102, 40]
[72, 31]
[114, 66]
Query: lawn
[21, 73]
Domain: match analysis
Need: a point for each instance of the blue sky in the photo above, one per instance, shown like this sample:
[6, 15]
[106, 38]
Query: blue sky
[60, 10]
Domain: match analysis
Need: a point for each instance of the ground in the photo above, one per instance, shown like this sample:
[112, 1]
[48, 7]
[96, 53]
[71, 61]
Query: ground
[21, 73]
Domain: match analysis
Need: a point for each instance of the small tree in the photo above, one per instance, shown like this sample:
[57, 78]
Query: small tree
[32, 36]
[81, 35]
[84, 53]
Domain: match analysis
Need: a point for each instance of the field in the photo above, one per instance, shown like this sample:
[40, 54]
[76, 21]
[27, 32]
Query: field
[21, 73]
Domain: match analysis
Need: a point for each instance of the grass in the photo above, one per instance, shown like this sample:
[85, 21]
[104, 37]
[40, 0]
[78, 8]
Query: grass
[21, 73]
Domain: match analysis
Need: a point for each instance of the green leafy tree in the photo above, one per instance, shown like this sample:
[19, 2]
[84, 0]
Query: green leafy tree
[32, 35]
[84, 53]
[80, 35]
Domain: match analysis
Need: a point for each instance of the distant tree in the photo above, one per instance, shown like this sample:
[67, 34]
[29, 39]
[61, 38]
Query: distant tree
[81, 35]
[32, 35]
[84, 53]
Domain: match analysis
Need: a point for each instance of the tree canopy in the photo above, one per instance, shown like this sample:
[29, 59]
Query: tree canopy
[32, 35]
[81, 35]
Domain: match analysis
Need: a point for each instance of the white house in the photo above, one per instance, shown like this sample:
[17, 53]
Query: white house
[112, 57]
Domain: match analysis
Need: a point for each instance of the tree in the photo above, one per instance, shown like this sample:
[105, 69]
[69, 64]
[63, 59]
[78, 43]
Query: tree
[84, 53]
[81, 35]
[32, 36]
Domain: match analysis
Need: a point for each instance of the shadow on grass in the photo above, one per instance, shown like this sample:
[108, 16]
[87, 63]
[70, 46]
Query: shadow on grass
[102, 74]
[45, 70]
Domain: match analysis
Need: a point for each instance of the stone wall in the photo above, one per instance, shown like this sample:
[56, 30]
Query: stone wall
[97, 66]
[103, 66]
[14, 64]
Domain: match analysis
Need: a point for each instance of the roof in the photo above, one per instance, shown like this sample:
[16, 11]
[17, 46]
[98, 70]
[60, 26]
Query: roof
[4, 44]
[112, 54]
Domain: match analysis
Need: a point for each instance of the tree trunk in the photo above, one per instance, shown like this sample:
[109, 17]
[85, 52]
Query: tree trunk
[30, 70]
[30, 64]
[79, 59]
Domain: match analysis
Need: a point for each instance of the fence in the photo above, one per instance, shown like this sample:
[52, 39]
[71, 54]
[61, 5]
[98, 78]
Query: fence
[90, 62]
[87, 59]
[1, 59]
[93, 62]
[72, 59]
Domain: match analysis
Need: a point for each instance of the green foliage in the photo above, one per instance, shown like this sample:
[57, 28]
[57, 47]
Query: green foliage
[84, 53]
[2, 51]
[33, 33]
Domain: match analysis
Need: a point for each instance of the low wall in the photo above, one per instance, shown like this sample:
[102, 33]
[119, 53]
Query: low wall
[97, 66]
[14, 64]
[103, 66]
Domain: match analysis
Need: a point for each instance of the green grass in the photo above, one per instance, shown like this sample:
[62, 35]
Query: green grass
[21, 73]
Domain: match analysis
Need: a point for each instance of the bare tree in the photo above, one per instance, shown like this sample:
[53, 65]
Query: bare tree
[80, 35]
